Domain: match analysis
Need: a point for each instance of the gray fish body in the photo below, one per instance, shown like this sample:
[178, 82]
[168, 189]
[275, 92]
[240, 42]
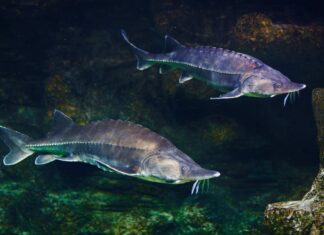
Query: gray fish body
[216, 66]
[116, 146]
[237, 73]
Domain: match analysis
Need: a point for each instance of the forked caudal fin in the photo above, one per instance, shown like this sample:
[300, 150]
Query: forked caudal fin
[16, 142]
[141, 55]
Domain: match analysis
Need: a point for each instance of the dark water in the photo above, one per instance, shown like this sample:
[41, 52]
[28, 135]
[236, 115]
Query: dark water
[69, 55]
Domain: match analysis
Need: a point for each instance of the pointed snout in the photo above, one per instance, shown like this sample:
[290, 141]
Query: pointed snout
[300, 86]
[297, 86]
[203, 174]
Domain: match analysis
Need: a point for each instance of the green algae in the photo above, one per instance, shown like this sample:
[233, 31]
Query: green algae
[96, 212]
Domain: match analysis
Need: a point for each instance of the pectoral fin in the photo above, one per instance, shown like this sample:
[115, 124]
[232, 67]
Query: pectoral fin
[185, 77]
[229, 95]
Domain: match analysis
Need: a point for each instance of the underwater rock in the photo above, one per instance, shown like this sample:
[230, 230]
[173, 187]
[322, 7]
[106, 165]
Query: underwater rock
[193, 220]
[260, 30]
[307, 215]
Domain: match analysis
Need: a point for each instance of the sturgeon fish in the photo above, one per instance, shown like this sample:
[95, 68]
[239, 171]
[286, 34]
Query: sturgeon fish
[112, 145]
[236, 73]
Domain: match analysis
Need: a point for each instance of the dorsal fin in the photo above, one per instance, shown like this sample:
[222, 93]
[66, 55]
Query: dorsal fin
[60, 122]
[171, 44]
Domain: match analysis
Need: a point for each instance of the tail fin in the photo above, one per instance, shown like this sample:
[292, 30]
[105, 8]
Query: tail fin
[141, 55]
[16, 142]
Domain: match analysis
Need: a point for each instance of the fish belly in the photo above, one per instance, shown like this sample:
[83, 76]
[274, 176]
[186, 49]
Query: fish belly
[220, 81]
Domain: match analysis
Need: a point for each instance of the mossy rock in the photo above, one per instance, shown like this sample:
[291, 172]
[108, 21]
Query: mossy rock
[289, 218]
[192, 219]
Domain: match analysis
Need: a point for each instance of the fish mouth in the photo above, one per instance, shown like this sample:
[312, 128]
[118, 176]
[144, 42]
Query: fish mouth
[298, 87]
[294, 87]
[206, 177]
[205, 182]
[292, 94]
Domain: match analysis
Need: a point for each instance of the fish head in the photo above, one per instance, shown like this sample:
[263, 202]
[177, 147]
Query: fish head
[174, 167]
[269, 82]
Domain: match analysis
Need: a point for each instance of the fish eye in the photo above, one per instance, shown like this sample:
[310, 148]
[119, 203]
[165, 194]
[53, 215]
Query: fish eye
[277, 85]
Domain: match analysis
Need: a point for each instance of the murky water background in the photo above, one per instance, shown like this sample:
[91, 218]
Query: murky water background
[70, 56]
